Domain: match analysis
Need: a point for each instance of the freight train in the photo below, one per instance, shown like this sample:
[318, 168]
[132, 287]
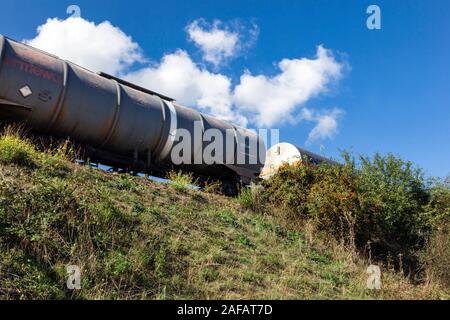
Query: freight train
[120, 124]
[123, 125]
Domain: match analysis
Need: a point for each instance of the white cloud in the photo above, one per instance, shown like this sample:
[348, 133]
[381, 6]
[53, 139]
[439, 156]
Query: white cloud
[98, 47]
[219, 41]
[326, 125]
[272, 100]
[258, 100]
[306, 114]
[179, 77]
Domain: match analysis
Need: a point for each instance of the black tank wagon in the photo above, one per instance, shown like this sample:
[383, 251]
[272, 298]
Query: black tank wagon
[120, 124]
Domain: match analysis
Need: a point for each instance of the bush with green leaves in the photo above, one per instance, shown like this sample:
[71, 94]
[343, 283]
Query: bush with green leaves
[438, 208]
[392, 194]
[382, 199]
[332, 201]
[288, 190]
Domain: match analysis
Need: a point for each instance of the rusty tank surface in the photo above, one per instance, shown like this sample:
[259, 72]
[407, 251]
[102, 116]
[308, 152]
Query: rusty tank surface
[121, 124]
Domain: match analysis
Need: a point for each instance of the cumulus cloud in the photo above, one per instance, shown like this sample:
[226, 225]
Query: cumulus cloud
[272, 100]
[98, 47]
[179, 77]
[326, 125]
[219, 41]
[257, 100]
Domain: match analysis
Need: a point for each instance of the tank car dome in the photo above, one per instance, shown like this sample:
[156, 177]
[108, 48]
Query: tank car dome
[286, 153]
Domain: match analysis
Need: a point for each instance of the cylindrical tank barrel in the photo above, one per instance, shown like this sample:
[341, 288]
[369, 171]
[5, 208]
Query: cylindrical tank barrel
[63, 99]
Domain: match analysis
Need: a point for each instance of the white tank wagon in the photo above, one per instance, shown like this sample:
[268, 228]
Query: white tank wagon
[289, 154]
[121, 124]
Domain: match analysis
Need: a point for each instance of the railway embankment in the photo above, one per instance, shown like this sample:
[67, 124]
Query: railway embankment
[129, 237]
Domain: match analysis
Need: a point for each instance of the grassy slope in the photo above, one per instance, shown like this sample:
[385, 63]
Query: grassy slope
[134, 238]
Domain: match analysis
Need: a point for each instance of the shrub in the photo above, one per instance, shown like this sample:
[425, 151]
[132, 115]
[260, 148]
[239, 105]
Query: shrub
[332, 201]
[392, 194]
[380, 199]
[438, 208]
[288, 190]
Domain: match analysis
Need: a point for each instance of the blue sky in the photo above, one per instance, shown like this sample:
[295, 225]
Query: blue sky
[393, 91]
